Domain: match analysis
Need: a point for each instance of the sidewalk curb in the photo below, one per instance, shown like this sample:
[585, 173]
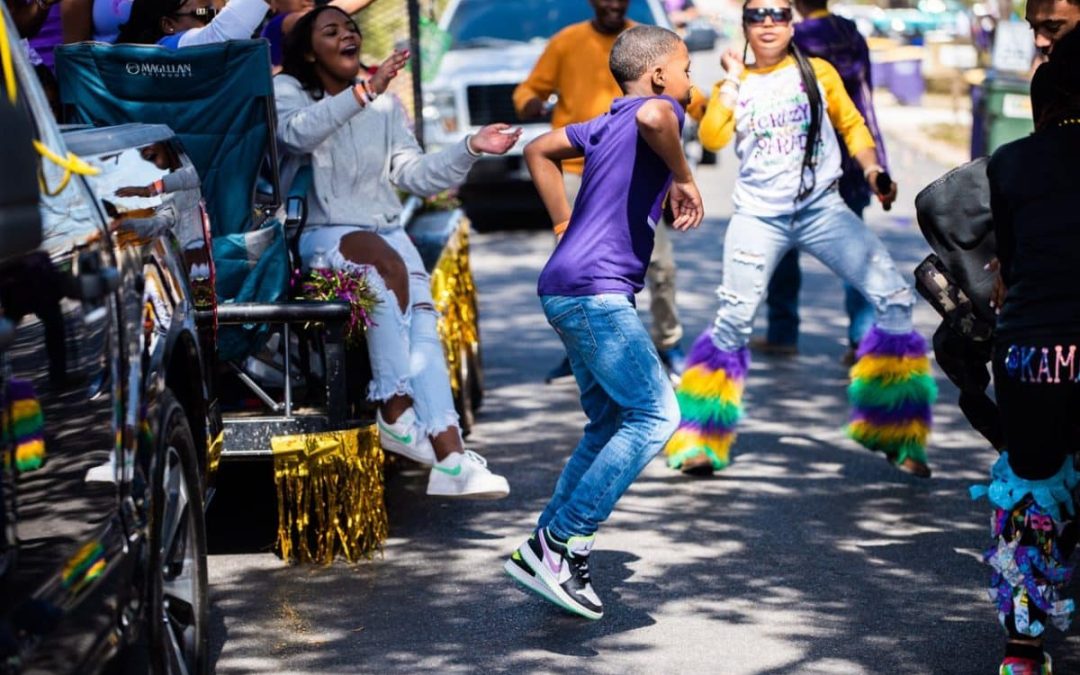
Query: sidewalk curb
[917, 141]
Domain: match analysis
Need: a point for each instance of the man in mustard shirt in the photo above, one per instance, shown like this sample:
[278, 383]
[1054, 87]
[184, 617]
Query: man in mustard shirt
[575, 66]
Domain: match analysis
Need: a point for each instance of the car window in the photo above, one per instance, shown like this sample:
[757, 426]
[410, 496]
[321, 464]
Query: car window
[481, 23]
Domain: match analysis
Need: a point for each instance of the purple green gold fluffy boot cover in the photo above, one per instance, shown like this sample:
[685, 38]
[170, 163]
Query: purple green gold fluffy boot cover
[891, 393]
[710, 402]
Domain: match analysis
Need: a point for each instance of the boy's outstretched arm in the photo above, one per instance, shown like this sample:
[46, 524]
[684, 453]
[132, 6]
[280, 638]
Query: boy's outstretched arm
[544, 157]
[659, 127]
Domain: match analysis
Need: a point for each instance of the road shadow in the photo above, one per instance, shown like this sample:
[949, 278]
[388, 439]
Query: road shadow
[807, 555]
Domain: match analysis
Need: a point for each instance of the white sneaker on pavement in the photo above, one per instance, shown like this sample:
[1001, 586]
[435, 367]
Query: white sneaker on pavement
[404, 438]
[465, 474]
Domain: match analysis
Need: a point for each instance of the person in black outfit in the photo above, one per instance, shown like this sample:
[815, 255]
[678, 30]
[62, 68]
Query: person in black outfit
[1036, 365]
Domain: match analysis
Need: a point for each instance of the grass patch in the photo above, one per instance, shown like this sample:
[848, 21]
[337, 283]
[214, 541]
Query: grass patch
[956, 135]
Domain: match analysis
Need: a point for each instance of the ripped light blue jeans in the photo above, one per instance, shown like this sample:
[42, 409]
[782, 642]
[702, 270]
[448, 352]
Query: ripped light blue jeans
[403, 347]
[826, 229]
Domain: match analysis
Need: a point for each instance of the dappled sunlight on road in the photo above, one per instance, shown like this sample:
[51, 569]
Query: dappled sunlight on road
[807, 555]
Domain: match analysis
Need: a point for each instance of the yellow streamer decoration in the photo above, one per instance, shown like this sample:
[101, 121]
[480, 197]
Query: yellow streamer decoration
[71, 164]
[454, 293]
[7, 62]
[330, 495]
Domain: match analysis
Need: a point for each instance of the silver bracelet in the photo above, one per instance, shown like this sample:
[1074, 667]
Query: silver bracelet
[871, 169]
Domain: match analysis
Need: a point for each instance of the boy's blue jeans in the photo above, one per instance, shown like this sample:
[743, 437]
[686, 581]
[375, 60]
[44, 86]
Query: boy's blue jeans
[827, 229]
[782, 301]
[627, 397]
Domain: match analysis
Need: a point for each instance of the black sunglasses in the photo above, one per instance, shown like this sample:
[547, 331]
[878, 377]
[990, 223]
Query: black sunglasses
[759, 14]
[204, 14]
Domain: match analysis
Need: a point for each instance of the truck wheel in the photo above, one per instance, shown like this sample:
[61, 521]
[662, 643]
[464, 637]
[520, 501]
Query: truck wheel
[177, 606]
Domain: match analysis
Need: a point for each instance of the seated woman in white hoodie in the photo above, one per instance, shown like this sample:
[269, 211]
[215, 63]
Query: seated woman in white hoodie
[361, 151]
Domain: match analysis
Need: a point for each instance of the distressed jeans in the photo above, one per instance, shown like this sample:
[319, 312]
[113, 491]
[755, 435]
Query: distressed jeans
[627, 397]
[782, 301]
[403, 347]
[826, 229]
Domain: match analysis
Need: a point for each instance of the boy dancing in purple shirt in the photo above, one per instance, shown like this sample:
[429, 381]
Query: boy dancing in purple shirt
[633, 159]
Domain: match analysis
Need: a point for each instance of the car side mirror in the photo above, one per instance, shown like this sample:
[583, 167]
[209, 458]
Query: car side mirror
[20, 216]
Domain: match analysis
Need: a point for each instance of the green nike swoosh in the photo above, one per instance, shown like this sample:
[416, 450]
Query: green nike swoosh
[406, 439]
[449, 472]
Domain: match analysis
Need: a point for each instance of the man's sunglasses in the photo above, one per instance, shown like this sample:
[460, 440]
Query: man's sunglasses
[758, 15]
[204, 14]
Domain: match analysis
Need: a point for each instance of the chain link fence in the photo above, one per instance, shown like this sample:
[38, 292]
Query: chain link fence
[394, 24]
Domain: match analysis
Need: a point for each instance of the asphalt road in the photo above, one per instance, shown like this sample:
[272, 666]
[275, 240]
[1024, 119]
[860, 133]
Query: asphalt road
[808, 555]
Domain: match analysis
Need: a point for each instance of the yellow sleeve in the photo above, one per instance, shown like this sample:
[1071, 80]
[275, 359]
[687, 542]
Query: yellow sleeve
[696, 108]
[845, 117]
[541, 82]
[718, 124]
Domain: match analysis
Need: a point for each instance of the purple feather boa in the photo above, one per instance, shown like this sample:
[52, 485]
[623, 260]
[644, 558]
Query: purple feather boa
[880, 343]
[735, 364]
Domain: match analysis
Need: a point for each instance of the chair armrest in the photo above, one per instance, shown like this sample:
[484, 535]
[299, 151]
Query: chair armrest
[281, 312]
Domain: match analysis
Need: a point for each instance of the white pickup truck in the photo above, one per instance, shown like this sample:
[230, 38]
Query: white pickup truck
[493, 47]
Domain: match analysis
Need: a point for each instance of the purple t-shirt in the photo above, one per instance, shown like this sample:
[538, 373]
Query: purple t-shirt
[608, 243]
[50, 35]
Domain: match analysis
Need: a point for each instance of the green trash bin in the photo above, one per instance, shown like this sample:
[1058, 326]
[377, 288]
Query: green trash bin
[1008, 110]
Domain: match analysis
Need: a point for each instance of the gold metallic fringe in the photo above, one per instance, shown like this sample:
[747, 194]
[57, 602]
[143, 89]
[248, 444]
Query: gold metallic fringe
[330, 495]
[454, 293]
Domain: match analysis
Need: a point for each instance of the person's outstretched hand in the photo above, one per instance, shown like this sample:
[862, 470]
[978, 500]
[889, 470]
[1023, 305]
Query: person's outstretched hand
[134, 191]
[388, 70]
[494, 139]
[686, 205]
[732, 63]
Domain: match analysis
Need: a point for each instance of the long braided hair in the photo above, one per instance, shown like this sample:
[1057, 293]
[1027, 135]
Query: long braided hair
[817, 110]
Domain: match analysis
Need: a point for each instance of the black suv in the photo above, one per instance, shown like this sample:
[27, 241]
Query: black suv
[109, 430]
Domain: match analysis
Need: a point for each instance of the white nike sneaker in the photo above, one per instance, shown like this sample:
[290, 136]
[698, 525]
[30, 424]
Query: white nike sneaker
[404, 438]
[465, 474]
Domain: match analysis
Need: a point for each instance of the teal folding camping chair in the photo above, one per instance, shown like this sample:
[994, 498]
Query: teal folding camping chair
[218, 99]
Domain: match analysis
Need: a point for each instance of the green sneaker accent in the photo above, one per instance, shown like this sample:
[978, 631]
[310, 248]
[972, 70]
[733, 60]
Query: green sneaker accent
[406, 439]
[579, 537]
[449, 472]
[516, 555]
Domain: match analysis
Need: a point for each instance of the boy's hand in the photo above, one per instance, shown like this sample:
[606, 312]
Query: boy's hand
[494, 139]
[685, 205]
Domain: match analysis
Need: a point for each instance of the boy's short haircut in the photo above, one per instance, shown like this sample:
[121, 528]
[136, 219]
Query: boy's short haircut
[638, 49]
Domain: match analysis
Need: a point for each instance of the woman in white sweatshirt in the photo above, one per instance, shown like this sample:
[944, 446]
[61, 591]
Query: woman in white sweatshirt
[784, 114]
[361, 152]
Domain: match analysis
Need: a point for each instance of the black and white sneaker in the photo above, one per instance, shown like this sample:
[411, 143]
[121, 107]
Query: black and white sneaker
[562, 569]
[520, 572]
